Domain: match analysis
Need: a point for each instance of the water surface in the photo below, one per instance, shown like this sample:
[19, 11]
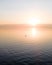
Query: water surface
[24, 46]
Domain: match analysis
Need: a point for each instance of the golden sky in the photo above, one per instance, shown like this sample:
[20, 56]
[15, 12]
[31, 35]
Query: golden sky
[25, 11]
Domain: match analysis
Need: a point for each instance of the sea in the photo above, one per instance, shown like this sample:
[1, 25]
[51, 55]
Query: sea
[25, 46]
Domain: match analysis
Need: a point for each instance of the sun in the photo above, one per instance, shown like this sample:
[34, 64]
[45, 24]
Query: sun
[33, 21]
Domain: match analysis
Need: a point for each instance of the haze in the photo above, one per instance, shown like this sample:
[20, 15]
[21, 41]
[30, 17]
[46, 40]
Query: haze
[20, 11]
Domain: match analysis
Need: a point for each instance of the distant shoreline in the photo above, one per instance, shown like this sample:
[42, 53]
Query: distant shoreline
[25, 26]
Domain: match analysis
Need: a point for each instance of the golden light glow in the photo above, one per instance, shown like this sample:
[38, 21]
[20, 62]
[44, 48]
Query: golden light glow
[32, 32]
[33, 21]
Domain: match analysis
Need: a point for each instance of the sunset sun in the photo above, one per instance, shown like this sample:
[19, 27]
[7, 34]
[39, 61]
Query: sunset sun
[33, 21]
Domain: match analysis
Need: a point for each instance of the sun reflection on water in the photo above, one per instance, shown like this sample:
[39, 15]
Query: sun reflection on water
[26, 34]
[32, 33]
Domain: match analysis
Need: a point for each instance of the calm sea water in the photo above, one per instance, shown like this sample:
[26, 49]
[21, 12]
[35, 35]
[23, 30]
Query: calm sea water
[26, 46]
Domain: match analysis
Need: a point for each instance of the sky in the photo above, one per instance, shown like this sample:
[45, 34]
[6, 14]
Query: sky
[21, 11]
